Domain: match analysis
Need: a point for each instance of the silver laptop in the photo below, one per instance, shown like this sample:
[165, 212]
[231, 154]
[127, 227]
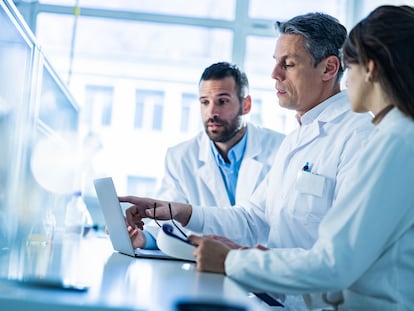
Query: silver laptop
[115, 222]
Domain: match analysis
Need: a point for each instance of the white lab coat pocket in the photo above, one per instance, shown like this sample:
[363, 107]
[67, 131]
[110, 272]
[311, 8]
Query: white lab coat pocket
[310, 183]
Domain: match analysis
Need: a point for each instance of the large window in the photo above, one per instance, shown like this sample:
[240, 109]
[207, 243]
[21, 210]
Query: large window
[204, 8]
[98, 111]
[190, 115]
[133, 66]
[149, 110]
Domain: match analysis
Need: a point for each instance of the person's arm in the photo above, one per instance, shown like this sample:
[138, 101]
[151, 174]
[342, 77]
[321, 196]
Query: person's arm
[369, 217]
[217, 245]
[146, 208]
[244, 223]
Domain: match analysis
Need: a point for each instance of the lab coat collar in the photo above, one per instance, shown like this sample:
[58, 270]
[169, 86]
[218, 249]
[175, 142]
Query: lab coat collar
[250, 168]
[394, 116]
[253, 145]
[209, 172]
[327, 110]
[317, 117]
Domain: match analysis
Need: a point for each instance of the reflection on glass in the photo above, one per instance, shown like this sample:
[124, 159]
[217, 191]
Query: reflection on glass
[15, 62]
[42, 231]
[56, 109]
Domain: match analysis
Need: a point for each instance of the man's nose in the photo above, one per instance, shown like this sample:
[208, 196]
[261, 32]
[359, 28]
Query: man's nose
[278, 73]
[213, 110]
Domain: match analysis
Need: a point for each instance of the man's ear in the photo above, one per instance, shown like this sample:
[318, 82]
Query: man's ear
[331, 68]
[247, 105]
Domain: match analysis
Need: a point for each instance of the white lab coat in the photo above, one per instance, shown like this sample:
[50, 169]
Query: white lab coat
[365, 241]
[192, 176]
[328, 139]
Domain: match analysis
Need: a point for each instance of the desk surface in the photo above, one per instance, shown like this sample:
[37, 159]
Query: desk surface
[116, 281]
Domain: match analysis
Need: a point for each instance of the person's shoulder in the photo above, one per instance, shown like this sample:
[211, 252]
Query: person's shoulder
[361, 120]
[397, 126]
[260, 131]
[264, 139]
[340, 112]
[185, 146]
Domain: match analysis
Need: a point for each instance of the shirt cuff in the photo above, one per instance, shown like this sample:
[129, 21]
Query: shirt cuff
[150, 241]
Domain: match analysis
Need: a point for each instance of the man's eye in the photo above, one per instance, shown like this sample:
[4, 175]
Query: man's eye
[204, 102]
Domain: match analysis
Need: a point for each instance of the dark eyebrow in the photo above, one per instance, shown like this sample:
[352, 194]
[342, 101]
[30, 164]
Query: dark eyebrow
[218, 95]
[224, 94]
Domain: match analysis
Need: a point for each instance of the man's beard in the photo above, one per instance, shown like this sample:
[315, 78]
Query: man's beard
[230, 129]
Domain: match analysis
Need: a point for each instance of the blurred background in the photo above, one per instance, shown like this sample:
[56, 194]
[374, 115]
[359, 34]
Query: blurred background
[123, 76]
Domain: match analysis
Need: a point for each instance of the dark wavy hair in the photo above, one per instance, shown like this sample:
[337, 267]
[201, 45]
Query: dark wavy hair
[386, 36]
[223, 70]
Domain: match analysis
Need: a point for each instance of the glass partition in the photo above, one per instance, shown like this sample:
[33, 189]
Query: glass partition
[56, 109]
[16, 63]
[35, 110]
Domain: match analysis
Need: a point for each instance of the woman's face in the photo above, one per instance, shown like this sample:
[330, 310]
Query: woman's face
[359, 88]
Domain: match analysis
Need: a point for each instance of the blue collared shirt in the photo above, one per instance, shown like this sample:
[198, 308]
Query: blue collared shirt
[230, 171]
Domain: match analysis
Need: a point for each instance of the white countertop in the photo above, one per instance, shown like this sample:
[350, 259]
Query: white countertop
[115, 281]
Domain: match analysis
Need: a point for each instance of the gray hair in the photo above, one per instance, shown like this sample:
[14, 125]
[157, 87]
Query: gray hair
[324, 35]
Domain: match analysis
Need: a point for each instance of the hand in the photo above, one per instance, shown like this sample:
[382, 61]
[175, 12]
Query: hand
[144, 208]
[229, 243]
[137, 237]
[135, 213]
[210, 254]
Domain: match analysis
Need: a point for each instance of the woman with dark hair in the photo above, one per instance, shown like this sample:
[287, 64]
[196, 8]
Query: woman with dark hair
[381, 47]
[365, 247]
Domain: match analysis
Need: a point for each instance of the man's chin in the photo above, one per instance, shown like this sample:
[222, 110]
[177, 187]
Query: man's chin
[217, 138]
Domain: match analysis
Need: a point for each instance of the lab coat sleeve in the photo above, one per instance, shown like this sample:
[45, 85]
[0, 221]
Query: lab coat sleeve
[243, 223]
[370, 215]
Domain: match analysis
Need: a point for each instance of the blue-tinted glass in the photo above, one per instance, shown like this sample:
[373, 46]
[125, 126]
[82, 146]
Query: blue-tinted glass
[149, 106]
[139, 113]
[99, 101]
[158, 116]
[187, 101]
